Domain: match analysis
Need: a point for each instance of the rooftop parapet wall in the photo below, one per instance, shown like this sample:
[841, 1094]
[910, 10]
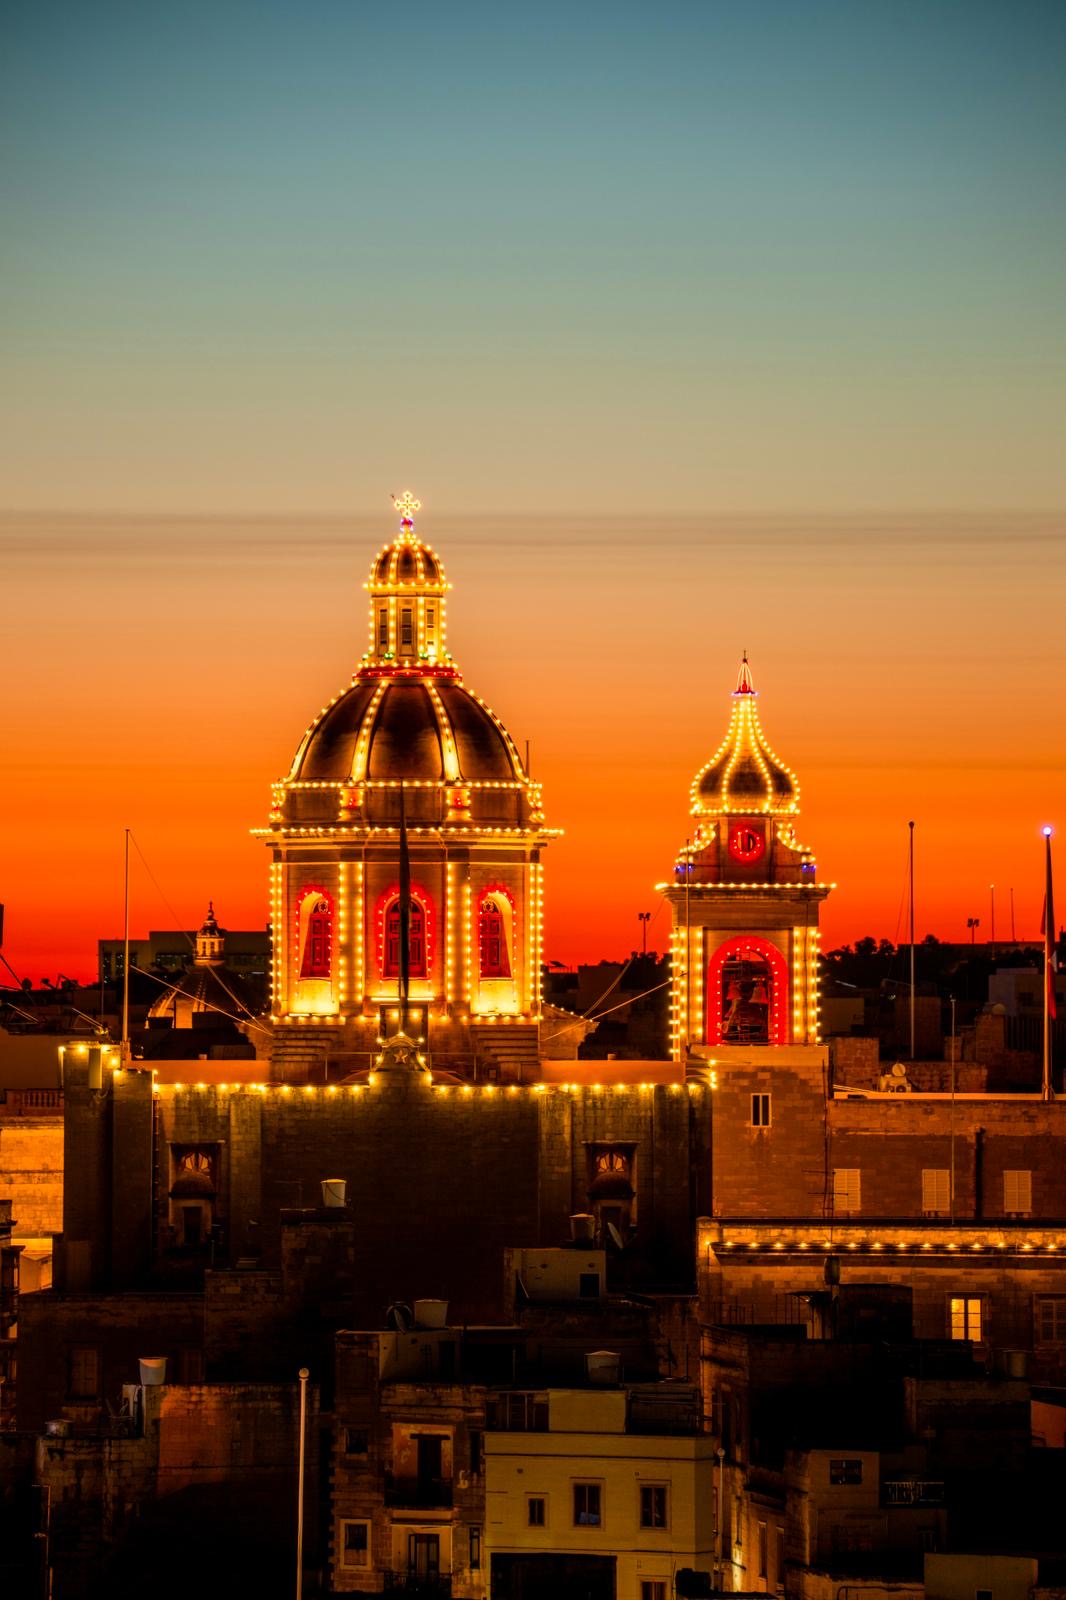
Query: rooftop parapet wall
[31, 1173]
[513, 1164]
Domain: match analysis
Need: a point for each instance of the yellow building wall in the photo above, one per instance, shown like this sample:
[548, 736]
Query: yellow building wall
[547, 1465]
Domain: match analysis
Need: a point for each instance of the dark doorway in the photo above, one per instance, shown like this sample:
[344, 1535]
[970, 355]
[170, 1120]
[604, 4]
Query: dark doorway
[563, 1577]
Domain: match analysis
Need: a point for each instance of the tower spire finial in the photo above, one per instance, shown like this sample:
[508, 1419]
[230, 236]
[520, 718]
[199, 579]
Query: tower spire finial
[745, 683]
[406, 505]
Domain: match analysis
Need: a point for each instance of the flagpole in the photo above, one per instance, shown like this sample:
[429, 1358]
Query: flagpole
[910, 825]
[1049, 964]
[124, 1048]
[405, 915]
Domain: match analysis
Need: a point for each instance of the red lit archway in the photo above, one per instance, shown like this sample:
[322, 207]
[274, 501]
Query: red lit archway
[314, 932]
[496, 929]
[747, 993]
[422, 932]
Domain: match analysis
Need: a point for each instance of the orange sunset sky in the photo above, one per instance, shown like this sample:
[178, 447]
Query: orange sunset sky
[165, 669]
[698, 327]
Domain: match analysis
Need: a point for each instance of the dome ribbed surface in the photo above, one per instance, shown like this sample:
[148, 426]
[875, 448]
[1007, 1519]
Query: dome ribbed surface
[406, 728]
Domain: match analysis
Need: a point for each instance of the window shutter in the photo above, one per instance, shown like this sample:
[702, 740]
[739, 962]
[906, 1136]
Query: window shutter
[936, 1189]
[1018, 1191]
[847, 1189]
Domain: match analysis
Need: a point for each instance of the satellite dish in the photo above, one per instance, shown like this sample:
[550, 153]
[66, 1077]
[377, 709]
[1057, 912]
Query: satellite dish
[399, 1317]
[898, 1069]
[615, 1237]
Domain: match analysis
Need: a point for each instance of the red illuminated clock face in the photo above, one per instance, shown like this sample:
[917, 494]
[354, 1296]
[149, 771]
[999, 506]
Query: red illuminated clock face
[746, 843]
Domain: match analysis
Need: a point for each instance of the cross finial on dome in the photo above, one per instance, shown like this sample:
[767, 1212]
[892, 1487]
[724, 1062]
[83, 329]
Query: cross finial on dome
[407, 505]
[745, 685]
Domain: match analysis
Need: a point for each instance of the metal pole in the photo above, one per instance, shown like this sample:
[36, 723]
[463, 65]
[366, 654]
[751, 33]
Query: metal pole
[304, 1375]
[688, 950]
[910, 825]
[1013, 936]
[1050, 944]
[992, 898]
[720, 1552]
[124, 1054]
[951, 1179]
[644, 917]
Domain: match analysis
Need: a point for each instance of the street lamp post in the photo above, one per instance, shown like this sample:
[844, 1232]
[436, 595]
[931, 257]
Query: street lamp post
[304, 1375]
[643, 917]
[973, 923]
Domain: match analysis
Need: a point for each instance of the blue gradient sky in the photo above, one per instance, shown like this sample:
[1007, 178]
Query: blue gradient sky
[780, 254]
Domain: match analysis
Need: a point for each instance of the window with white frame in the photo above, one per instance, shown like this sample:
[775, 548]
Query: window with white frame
[847, 1190]
[355, 1544]
[653, 1589]
[936, 1191]
[1017, 1192]
[654, 1505]
[588, 1505]
[760, 1110]
[966, 1317]
[536, 1511]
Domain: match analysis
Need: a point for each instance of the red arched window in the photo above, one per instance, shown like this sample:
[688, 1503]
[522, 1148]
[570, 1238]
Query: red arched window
[495, 961]
[316, 938]
[416, 941]
[747, 993]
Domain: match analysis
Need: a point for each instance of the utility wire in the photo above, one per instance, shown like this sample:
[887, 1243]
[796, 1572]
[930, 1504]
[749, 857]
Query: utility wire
[208, 1005]
[237, 1001]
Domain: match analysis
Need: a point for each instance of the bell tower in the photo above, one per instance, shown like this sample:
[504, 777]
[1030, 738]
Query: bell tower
[745, 901]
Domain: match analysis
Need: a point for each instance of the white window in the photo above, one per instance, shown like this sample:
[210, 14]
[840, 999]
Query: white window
[760, 1110]
[355, 1544]
[536, 1511]
[654, 1505]
[1017, 1193]
[653, 1589]
[966, 1317]
[936, 1191]
[847, 1189]
[588, 1505]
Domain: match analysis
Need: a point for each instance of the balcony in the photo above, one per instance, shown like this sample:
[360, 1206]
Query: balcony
[419, 1494]
[437, 1584]
[912, 1492]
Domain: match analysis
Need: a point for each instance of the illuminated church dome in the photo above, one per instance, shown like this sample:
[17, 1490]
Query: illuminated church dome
[406, 744]
[744, 774]
[407, 716]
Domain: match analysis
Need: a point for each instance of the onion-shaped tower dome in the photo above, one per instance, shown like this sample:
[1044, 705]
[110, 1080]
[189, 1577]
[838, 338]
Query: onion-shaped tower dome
[744, 775]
